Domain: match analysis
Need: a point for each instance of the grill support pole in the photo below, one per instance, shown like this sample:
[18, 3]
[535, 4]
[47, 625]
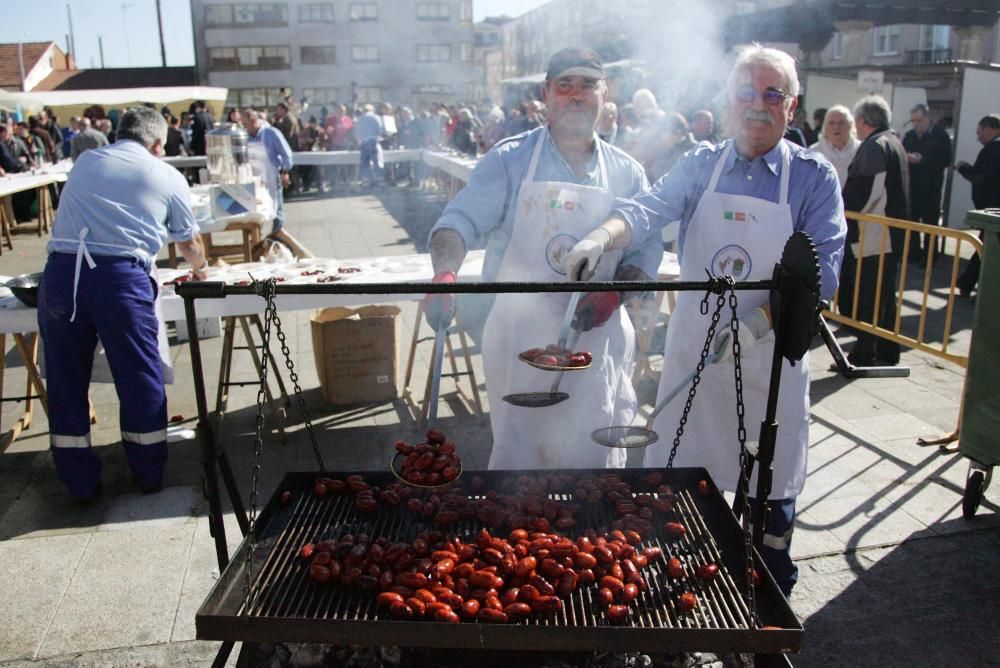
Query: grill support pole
[206, 438]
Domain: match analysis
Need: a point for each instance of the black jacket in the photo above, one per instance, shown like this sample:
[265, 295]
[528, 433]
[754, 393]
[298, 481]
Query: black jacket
[985, 176]
[927, 176]
[878, 183]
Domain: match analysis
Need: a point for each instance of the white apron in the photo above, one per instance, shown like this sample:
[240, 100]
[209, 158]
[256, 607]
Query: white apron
[101, 371]
[741, 236]
[263, 168]
[550, 218]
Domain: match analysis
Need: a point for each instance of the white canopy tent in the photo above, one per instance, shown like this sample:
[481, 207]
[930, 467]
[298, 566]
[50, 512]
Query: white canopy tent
[72, 102]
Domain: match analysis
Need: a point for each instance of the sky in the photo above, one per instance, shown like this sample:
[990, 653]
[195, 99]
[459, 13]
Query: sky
[45, 20]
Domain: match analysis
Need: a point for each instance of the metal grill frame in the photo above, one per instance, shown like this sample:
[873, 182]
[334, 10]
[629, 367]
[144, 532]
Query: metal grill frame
[349, 616]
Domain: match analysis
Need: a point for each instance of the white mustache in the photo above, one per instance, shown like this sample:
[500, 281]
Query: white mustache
[760, 116]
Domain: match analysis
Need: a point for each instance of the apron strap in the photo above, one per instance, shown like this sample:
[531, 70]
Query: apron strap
[714, 181]
[81, 253]
[530, 174]
[786, 173]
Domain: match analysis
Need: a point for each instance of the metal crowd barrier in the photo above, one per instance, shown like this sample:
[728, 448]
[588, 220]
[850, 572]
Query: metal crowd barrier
[936, 342]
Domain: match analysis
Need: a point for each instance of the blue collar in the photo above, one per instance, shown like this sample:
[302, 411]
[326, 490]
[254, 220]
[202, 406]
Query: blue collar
[772, 159]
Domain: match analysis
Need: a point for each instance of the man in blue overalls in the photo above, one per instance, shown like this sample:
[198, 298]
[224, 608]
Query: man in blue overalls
[118, 208]
[738, 202]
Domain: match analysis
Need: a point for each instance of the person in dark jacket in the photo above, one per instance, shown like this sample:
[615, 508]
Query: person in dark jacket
[877, 183]
[985, 178]
[201, 123]
[928, 152]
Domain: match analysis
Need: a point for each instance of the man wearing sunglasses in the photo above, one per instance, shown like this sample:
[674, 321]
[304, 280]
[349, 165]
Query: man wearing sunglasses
[530, 199]
[738, 202]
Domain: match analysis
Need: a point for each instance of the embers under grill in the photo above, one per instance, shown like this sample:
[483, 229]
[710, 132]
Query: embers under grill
[288, 606]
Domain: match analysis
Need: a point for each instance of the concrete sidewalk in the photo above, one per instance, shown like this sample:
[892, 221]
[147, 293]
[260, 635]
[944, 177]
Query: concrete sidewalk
[880, 534]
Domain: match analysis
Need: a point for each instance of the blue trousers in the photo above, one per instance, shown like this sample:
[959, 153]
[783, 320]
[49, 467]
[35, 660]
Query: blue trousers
[371, 167]
[114, 303]
[279, 208]
[776, 551]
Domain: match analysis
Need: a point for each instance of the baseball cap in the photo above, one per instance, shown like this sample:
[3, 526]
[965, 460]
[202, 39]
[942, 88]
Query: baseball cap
[575, 61]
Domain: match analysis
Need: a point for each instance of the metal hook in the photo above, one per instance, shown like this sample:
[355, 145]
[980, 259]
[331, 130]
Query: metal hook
[704, 300]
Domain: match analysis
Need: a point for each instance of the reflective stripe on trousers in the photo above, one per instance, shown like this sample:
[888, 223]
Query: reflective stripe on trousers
[148, 438]
[64, 441]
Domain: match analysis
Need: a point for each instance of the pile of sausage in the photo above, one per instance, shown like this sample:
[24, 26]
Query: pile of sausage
[494, 579]
[431, 463]
[553, 355]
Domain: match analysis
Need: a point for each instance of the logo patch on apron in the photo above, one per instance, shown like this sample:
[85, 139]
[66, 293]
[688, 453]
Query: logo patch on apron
[732, 260]
[556, 251]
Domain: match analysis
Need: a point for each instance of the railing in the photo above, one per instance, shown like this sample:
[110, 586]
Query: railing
[928, 56]
[880, 225]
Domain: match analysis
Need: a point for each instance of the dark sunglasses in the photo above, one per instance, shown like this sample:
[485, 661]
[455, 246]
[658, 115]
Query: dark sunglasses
[772, 97]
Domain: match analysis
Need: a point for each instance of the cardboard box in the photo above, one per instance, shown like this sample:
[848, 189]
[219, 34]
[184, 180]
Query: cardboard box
[356, 353]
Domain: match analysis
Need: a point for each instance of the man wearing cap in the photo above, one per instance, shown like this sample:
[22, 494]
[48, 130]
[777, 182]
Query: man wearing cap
[738, 202]
[528, 201]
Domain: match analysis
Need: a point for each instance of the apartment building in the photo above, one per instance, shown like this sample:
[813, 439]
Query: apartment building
[399, 51]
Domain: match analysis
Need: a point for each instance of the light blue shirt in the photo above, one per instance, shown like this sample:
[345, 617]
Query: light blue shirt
[130, 201]
[367, 127]
[483, 212]
[277, 148]
[813, 195]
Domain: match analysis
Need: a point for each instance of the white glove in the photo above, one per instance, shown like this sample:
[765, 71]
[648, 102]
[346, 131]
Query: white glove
[581, 262]
[754, 326]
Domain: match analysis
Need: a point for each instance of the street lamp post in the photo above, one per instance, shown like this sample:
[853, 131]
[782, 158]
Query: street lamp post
[128, 47]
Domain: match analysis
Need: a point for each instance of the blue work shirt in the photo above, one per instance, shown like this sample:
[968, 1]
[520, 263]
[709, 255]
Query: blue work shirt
[813, 196]
[277, 148]
[483, 211]
[367, 126]
[130, 201]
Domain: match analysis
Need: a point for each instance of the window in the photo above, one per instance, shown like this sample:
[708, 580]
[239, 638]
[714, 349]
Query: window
[318, 55]
[364, 54]
[317, 12]
[466, 52]
[433, 53]
[246, 15]
[218, 15]
[257, 14]
[260, 98]
[364, 11]
[886, 40]
[366, 93]
[249, 58]
[465, 11]
[933, 38]
[320, 96]
[433, 11]
[838, 46]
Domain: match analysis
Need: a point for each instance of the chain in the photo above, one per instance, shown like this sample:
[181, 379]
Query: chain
[719, 285]
[744, 482]
[265, 289]
[295, 383]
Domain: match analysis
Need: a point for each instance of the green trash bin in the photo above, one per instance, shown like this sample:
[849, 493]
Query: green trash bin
[979, 440]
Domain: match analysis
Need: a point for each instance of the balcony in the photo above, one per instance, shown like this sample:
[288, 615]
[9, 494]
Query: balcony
[928, 56]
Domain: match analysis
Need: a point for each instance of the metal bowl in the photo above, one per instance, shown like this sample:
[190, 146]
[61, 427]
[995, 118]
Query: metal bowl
[25, 288]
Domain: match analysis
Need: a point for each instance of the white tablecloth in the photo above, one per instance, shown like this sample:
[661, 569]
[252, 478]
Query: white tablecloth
[15, 317]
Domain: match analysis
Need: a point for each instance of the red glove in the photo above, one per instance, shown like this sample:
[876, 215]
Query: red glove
[595, 308]
[439, 308]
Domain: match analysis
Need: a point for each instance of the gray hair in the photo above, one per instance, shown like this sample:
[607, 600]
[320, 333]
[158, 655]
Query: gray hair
[84, 123]
[921, 109]
[839, 109]
[773, 58]
[143, 125]
[874, 111]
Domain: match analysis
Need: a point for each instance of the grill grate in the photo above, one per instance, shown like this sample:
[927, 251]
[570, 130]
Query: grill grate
[287, 606]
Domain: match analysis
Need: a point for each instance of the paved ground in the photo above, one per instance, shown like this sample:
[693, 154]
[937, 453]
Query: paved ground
[891, 573]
